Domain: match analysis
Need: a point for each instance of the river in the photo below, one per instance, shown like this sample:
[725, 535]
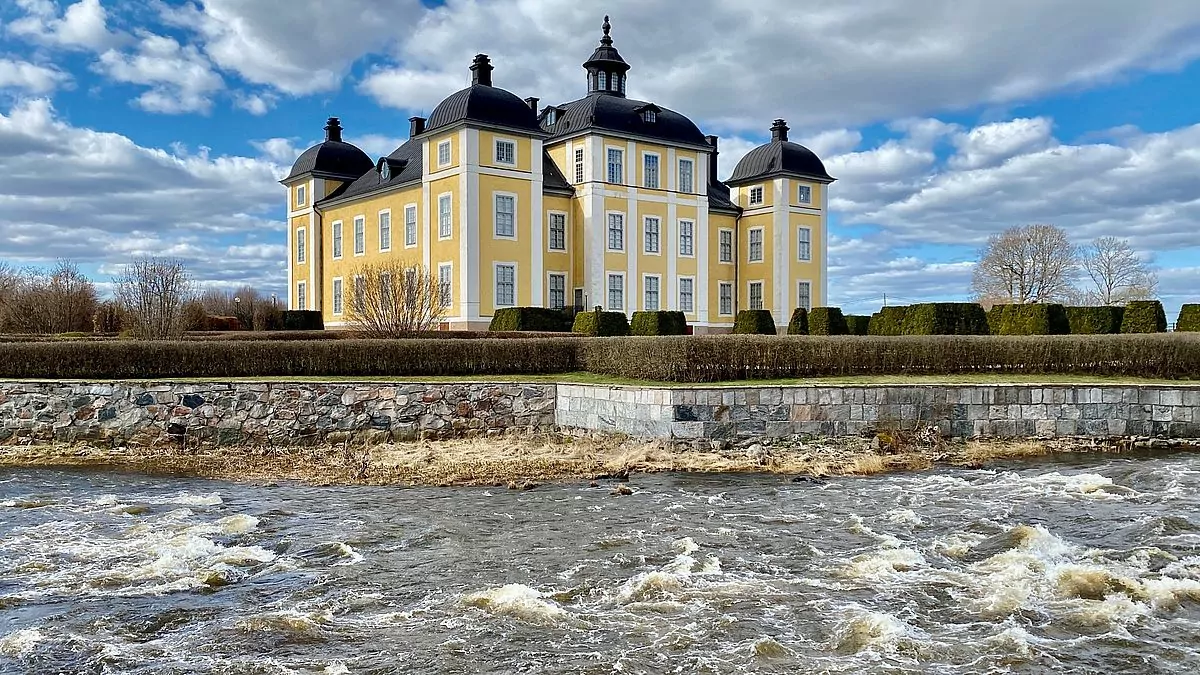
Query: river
[1072, 566]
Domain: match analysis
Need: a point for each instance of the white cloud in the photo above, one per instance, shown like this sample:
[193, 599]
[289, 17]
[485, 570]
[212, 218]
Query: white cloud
[180, 78]
[83, 25]
[30, 77]
[991, 144]
[257, 104]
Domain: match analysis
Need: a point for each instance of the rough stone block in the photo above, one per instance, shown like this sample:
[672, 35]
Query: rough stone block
[1161, 413]
[1067, 427]
[1170, 397]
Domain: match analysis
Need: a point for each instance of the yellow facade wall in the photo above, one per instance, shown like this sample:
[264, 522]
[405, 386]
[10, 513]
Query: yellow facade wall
[432, 148]
[741, 195]
[806, 270]
[762, 270]
[487, 151]
[792, 189]
[639, 165]
[558, 261]
[721, 272]
[558, 155]
[493, 250]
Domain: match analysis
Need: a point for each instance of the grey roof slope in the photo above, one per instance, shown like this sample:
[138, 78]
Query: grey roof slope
[718, 198]
[406, 168]
[553, 178]
[602, 111]
[485, 104]
[780, 156]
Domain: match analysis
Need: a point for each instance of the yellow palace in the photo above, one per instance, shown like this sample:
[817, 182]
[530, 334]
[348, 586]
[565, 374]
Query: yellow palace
[601, 201]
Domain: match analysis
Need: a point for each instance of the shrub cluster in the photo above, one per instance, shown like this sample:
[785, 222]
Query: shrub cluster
[658, 323]
[109, 318]
[1144, 316]
[754, 322]
[537, 319]
[887, 321]
[302, 319]
[858, 324]
[598, 323]
[826, 321]
[1189, 319]
[1102, 320]
[798, 325]
[945, 318]
[222, 323]
[1033, 319]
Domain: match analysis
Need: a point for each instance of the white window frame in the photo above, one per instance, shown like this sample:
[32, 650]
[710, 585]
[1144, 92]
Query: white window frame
[516, 294]
[496, 151]
[657, 171]
[608, 277]
[360, 227]
[762, 198]
[550, 289]
[608, 231]
[800, 188]
[722, 286]
[579, 165]
[450, 197]
[691, 171]
[800, 284]
[301, 251]
[658, 304]
[382, 247]
[301, 196]
[732, 248]
[691, 238]
[608, 173]
[446, 286]
[801, 242]
[646, 220]
[302, 295]
[496, 196]
[692, 280]
[762, 300]
[750, 245]
[337, 240]
[416, 226]
[449, 153]
[337, 294]
[550, 216]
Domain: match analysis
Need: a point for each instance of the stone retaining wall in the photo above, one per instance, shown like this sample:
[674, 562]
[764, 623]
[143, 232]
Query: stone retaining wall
[260, 413]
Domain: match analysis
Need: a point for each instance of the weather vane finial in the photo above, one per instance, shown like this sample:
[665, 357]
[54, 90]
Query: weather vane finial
[607, 28]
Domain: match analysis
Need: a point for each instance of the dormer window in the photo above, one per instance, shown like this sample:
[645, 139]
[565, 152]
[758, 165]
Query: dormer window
[602, 85]
[551, 116]
[649, 116]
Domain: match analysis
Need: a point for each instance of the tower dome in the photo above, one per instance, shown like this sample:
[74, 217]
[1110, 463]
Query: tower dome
[332, 159]
[779, 157]
[484, 103]
[606, 69]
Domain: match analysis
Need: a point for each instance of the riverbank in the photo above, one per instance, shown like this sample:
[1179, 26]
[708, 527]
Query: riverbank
[525, 461]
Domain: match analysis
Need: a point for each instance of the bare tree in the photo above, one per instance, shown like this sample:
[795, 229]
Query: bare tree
[390, 299]
[1032, 263]
[153, 291]
[70, 299]
[1116, 273]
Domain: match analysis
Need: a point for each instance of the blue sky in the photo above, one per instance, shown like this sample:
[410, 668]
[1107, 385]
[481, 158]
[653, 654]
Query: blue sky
[131, 128]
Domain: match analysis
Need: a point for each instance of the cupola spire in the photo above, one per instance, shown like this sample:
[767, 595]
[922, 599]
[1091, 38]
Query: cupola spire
[333, 130]
[481, 70]
[779, 131]
[606, 69]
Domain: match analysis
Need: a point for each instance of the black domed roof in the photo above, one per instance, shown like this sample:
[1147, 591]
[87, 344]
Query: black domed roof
[333, 158]
[599, 111]
[780, 156]
[481, 102]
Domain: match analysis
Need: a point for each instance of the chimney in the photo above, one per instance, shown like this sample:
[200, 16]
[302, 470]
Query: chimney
[481, 70]
[416, 126]
[779, 131]
[333, 130]
[532, 103]
[712, 162]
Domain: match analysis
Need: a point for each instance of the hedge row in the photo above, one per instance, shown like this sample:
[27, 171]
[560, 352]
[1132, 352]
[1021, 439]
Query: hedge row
[538, 319]
[598, 323]
[658, 323]
[1189, 319]
[826, 321]
[944, 318]
[754, 322]
[1031, 319]
[1144, 316]
[1103, 320]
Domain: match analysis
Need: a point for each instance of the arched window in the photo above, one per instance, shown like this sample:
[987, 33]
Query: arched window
[603, 85]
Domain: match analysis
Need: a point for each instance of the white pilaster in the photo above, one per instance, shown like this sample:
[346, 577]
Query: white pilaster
[781, 275]
[595, 225]
[470, 274]
[823, 249]
[704, 268]
[537, 228]
[426, 207]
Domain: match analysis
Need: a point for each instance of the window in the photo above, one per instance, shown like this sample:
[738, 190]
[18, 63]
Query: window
[650, 171]
[445, 284]
[616, 232]
[651, 283]
[579, 298]
[506, 207]
[602, 81]
[443, 153]
[726, 246]
[649, 116]
[804, 294]
[551, 117]
[726, 299]
[804, 194]
[616, 165]
[687, 295]
[506, 286]
[578, 165]
[506, 152]
[385, 230]
[359, 297]
[558, 231]
[687, 238]
[756, 195]
[616, 292]
[337, 240]
[301, 246]
[804, 243]
[445, 227]
[756, 299]
[686, 172]
[360, 235]
[385, 290]
[558, 291]
[652, 239]
[302, 295]
[621, 83]
[410, 225]
[301, 195]
[756, 245]
[337, 296]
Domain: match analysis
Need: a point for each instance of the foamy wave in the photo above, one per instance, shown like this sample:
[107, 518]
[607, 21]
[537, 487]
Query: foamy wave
[903, 517]
[882, 563]
[19, 643]
[1086, 484]
[865, 629]
[518, 601]
[351, 556]
[186, 499]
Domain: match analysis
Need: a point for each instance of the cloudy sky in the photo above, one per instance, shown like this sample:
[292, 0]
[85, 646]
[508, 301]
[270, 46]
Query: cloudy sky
[132, 127]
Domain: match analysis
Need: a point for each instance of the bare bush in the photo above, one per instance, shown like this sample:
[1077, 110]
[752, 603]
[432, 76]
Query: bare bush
[58, 300]
[390, 299]
[154, 291]
[1033, 263]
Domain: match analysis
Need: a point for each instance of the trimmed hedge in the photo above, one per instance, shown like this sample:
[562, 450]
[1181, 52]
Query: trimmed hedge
[754, 322]
[945, 318]
[303, 319]
[537, 319]
[598, 323]
[1189, 319]
[222, 323]
[1103, 320]
[1034, 319]
[887, 321]
[658, 323]
[826, 321]
[1144, 316]
[858, 324]
[799, 323]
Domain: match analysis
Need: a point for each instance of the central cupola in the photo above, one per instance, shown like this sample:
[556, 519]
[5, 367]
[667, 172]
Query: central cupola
[606, 70]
